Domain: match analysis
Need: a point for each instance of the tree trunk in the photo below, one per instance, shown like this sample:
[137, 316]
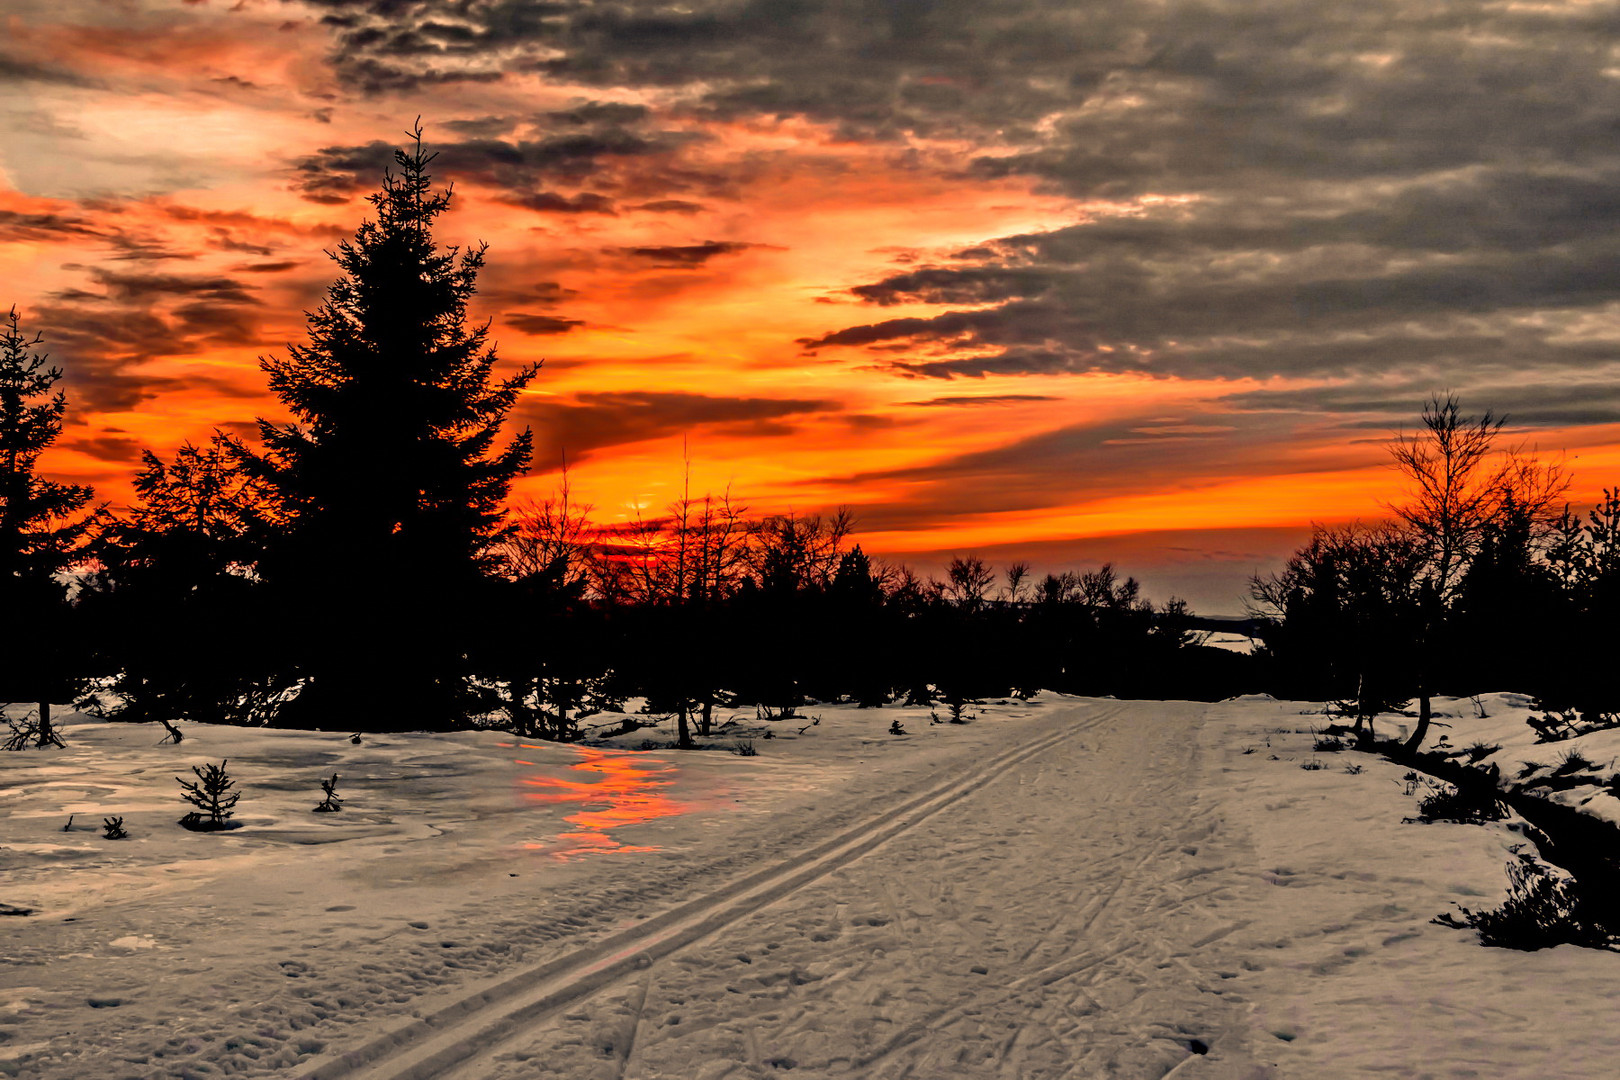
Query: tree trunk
[561, 700]
[1433, 612]
[683, 732]
[1415, 742]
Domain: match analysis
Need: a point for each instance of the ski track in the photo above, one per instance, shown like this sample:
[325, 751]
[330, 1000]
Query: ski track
[455, 1039]
[244, 991]
[916, 959]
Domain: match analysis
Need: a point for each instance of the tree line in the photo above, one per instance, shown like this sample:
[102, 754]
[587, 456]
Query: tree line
[357, 567]
[1482, 579]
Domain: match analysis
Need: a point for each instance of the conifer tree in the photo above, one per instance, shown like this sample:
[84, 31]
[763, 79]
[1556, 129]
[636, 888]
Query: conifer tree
[390, 484]
[171, 571]
[42, 525]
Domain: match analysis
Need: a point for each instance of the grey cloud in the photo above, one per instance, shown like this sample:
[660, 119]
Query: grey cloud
[17, 70]
[549, 202]
[1386, 407]
[145, 287]
[687, 256]
[671, 206]
[588, 144]
[530, 323]
[110, 448]
[276, 267]
[1358, 190]
[981, 400]
[16, 226]
[102, 339]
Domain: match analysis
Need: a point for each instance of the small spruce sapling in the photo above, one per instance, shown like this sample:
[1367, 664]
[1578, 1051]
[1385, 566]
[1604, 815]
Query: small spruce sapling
[331, 804]
[895, 728]
[211, 794]
[113, 828]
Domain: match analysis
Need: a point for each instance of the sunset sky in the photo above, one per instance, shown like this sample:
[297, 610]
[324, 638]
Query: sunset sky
[1061, 281]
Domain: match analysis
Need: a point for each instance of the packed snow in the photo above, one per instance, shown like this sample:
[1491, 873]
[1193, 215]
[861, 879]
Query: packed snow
[1062, 887]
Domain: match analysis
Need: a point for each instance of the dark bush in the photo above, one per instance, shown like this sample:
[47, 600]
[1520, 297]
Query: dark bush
[1541, 911]
[1467, 806]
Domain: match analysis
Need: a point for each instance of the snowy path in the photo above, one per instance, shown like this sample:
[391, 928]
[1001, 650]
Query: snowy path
[1044, 917]
[461, 1035]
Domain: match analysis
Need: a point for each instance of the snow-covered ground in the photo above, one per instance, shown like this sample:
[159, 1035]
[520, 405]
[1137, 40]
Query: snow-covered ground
[1065, 887]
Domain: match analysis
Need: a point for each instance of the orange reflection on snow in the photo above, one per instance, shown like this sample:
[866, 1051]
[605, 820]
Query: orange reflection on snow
[627, 790]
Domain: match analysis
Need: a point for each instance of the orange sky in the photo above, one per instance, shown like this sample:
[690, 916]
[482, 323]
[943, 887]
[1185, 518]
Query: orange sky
[1021, 280]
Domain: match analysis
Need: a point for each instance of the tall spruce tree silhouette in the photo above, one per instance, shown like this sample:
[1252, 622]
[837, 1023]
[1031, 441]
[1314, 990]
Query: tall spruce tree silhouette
[41, 526]
[390, 486]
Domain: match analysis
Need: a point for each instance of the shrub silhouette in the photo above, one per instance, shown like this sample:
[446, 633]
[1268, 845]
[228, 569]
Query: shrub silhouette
[1541, 911]
[331, 804]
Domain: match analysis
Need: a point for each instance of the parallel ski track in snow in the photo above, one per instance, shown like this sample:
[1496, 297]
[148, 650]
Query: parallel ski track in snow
[474, 1026]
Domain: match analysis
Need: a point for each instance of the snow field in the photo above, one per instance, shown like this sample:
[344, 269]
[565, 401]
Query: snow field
[1134, 897]
[453, 860]
[1351, 978]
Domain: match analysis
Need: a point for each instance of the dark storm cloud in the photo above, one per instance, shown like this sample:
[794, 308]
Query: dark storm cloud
[593, 421]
